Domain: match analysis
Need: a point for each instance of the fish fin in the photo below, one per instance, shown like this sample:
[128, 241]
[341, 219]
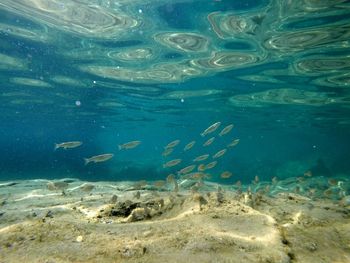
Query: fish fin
[56, 146]
[86, 161]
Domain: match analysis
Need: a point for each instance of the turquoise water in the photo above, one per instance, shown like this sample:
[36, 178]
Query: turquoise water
[109, 72]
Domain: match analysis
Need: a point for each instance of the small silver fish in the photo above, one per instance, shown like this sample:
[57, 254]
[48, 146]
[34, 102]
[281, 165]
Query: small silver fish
[98, 158]
[170, 178]
[256, 179]
[140, 184]
[195, 175]
[87, 187]
[68, 145]
[167, 151]
[59, 185]
[209, 141]
[137, 195]
[201, 167]
[129, 145]
[211, 128]
[187, 169]
[159, 183]
[226, 130]
[171, 163]
[189, 145]
[201, 158]
[219, 153]
[226, 175]
[211, 165]
[172, 144]
[233, 143]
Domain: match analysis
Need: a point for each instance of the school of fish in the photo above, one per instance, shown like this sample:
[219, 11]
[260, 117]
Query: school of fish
[178, 167]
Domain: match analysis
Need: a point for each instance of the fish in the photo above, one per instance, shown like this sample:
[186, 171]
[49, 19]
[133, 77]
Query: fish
[308, 173]
[167, 151]
[328, 192]
[189, 145]
[233, 143]
[209, 141]
[129, 145]
[226, 175]
[137, 195]
[170, 178]
[172, 163]
[274, 180]
[300, 179]
[201, 158]
[211, 165]
[87, 187]
[219, 153]
[226, 130]
[332, 181]
[159, 183]
[113, 199]
[297, 189]
[311, 192]
[256, 179]
[60, 185]
[140, 184]
[187, 169]
[68, 145]
[211, 128]
[172, 144]
[238, 184]
[201, 167]
[197, 175]
[99, 158]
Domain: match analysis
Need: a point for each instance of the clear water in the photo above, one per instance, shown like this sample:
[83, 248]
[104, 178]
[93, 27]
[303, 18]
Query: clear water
[108, 72]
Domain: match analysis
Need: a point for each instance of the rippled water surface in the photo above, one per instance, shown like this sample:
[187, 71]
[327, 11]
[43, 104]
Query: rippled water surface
[109, 72]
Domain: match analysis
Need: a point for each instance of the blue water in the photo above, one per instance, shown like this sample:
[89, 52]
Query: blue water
[109, 72]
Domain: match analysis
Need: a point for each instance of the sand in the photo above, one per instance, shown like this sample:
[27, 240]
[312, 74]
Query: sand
[159, 225]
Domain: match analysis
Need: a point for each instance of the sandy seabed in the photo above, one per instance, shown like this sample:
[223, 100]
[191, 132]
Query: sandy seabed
[114, 222]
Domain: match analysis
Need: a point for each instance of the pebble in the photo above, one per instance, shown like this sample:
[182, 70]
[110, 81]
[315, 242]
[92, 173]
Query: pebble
[311, 246]
[79, 239]
[147, 233]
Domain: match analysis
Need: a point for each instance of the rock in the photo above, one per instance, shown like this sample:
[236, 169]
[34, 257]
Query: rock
[49, 214]
[311, 246]
[124, 209]
[147, 233]
[138, 214]
[79, 239]
[136, 250]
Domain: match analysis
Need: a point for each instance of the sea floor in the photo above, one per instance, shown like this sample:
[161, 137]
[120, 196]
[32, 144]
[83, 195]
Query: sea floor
[74, 221]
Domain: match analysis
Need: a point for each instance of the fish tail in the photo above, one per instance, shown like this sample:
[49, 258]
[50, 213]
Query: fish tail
[56, 146]
[86, 161]
[120, 147]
